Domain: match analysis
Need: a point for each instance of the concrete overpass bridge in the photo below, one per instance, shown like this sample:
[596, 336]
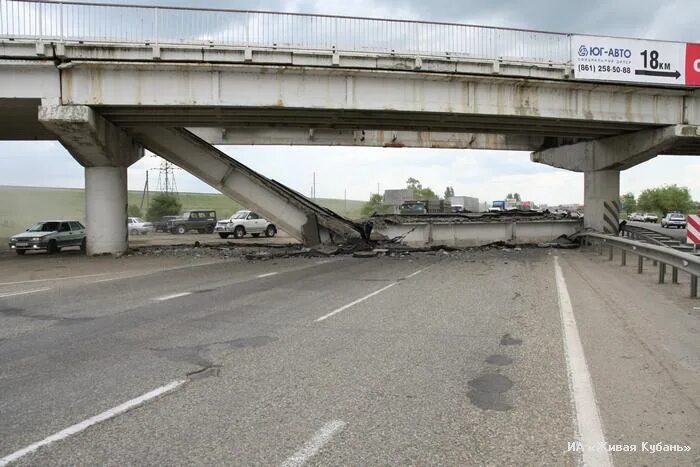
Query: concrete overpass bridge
[108, 81]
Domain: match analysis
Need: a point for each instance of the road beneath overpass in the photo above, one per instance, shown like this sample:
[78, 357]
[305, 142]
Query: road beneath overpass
[445, 358]
[678, 234]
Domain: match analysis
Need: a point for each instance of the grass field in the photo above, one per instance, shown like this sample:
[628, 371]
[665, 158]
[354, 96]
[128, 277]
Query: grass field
[21, 206]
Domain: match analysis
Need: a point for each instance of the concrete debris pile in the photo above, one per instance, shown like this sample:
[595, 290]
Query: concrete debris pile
[562, 241]
[386, 247]
[380, 220]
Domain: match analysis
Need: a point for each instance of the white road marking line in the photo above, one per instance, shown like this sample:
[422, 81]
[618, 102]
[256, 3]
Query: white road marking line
[111, 279]
[12, 294]
[415, 273]
[260, 276]
[311, 448]
[589, 426]
[359, 300]
[175, 295]
[78, 427]
[55, 279]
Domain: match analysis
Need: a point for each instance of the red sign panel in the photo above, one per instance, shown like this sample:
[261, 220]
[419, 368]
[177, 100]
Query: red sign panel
[693, 229]
[692, 64]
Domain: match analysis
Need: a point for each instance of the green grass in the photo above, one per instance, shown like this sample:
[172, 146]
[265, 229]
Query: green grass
[21, 206]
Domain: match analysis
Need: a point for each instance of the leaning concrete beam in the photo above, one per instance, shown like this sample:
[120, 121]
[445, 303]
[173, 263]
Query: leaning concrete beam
[290, 136]
[289, 210]
[618, 152]
[90, 138]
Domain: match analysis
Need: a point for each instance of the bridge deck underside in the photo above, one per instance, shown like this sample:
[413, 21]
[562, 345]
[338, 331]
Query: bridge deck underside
[202, 116]
[18, 121]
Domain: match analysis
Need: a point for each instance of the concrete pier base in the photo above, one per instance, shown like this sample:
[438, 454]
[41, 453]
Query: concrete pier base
[106, 210]
[601, 196]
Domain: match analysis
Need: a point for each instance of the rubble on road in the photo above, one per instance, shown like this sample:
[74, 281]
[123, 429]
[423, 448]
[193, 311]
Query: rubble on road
[266, 251]
[562, 241]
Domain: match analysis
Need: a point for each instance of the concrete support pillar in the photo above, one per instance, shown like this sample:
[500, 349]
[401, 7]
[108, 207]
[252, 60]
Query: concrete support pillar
[105, 151]
[106, 210]
[602, 200]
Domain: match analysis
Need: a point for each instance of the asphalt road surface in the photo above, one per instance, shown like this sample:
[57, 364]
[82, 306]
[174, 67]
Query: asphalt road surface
[496, 357]
[679, 234]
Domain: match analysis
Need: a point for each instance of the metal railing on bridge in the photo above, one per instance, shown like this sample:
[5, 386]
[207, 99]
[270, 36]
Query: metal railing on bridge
[135, 24]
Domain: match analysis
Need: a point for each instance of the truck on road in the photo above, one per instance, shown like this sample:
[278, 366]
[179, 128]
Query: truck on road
[464, 203]
[498, 206]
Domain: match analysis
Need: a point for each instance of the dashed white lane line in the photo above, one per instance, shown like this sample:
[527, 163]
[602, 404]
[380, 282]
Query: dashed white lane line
[25, 292]
[78, 427]
[370, 295]
[359, 300]
[413, 274]
[589, 426]
[311, 448]
[55, 279]
[260, 276]
[175, 295]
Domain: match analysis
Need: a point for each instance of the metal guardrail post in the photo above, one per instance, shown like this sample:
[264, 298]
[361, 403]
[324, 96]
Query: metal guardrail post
[660, 255]
[610, 253]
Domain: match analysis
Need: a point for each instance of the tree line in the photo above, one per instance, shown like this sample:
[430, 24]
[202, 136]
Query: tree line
[663, 200]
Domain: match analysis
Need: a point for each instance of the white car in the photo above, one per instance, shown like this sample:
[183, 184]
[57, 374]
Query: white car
[245, 222]
[637, 217]
[674, 219]
[137, 226]
[651, 217]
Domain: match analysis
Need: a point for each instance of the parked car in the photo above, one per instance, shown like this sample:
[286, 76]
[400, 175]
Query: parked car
[245, 222]
[51, 236]
[637, 217]
[162, 224]
[674, 219]
[137, 226]
[201, 220]
[649, 217]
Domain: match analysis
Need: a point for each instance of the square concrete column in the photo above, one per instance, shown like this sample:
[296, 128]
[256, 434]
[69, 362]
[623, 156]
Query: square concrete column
[106, 210]
[601, 195]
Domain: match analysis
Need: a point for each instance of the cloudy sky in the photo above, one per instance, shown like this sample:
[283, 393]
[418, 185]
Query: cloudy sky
[357, 171]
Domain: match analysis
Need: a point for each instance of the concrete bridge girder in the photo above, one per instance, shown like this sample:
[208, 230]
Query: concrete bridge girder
[290, 136]
[229, 89]
[291, 211]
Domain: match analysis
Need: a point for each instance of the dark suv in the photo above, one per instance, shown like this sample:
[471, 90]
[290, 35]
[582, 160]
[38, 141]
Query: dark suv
[201, 220]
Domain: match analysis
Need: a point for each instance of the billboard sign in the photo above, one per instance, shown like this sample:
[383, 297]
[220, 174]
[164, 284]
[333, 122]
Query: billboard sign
[636, 61]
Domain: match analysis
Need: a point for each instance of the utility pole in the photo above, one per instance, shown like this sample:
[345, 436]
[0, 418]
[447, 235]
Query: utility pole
[314, 185]
[144, 195]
